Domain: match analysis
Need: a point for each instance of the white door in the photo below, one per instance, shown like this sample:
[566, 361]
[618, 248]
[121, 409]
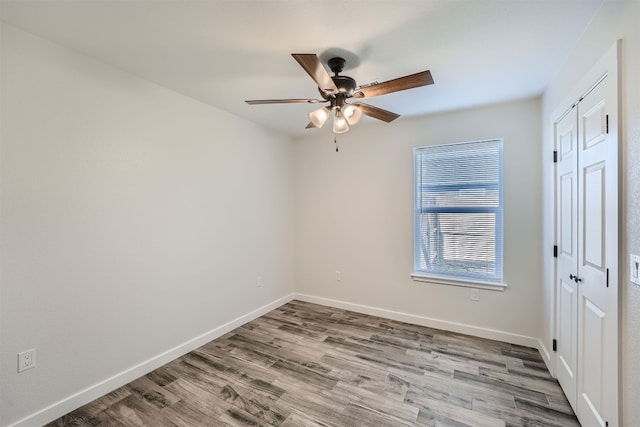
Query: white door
[597, 381]
[587, 237]
[566, 134]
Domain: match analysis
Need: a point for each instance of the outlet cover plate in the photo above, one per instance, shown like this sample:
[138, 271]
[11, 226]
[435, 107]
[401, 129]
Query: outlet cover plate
[26, 360]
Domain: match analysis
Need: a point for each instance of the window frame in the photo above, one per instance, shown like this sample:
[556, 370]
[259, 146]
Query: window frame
[495, 282]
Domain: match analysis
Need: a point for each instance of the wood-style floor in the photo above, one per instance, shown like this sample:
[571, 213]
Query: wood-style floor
[308, 365]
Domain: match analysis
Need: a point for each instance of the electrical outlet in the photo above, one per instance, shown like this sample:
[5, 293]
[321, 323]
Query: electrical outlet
[475, 294]
[26, 360]
[634, 266]
[259, 282]
[338, 276]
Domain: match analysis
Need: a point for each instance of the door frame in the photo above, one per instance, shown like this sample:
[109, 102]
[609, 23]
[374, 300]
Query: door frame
[607, 66]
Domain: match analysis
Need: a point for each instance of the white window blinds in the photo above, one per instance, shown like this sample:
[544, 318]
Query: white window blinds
[458, 211]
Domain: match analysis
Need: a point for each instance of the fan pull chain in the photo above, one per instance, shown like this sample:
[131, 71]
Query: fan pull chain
[335, 140]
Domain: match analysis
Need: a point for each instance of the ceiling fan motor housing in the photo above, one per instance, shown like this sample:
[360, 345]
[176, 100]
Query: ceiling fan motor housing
[345, 84]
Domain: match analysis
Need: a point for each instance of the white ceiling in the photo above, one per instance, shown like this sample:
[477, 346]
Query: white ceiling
[223, 52]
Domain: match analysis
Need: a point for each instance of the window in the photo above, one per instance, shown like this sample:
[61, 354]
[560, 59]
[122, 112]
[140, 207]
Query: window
[458, 212]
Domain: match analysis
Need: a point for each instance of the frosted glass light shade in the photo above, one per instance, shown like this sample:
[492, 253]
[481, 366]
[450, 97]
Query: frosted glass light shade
[352, 113]
[340, 124]
[319, 116]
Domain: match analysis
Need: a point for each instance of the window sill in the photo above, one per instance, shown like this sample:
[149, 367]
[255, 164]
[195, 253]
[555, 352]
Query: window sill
[492, 286]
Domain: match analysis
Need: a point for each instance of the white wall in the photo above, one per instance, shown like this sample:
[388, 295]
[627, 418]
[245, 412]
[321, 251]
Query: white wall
[615, 20]
[134, 220]
[354, 214]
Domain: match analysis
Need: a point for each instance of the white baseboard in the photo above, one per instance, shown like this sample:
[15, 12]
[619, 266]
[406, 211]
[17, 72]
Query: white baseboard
[93, 392]
[427, 321]
[546, 356]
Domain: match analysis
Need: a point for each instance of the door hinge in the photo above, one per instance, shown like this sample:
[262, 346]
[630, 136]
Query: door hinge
[555, 156]
[554, 343]
[606, 118]
[607, 277]
[555, 251]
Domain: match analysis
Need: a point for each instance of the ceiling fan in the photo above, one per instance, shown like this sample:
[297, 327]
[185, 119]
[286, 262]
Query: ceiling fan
[337, 89]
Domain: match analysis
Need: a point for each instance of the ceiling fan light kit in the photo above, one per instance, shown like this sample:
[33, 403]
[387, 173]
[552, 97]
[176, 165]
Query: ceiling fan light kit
[337, 89]
[319, 116]
[352, 112]
[340, 124]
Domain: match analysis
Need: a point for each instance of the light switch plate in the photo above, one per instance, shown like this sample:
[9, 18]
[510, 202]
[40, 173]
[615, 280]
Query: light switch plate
[634, 266]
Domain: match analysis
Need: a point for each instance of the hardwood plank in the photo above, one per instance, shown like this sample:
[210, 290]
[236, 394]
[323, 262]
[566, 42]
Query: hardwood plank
[506, 387]
[132, 411]
[544, 415]
[359, 414]
[299, 419]
[434, 411]
[151, 393]
[394, 407]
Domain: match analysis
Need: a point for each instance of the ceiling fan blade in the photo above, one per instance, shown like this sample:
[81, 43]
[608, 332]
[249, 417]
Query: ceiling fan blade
[311, 126]
[283, 101]
[377, 113]
[313, 67]
[396, 85]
